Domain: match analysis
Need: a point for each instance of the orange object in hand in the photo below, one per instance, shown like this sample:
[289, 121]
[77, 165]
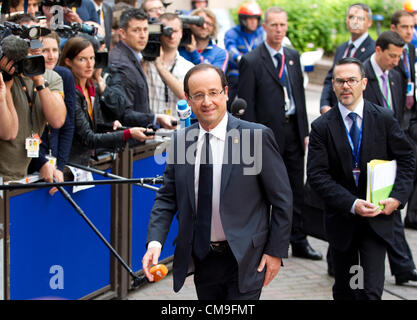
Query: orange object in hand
[159, 272]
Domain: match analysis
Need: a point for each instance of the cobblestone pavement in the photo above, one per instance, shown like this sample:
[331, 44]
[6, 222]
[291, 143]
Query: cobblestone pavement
[299, 279]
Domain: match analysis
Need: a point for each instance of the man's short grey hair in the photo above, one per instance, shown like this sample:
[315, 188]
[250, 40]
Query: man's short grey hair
[272, 10]
[362, 6]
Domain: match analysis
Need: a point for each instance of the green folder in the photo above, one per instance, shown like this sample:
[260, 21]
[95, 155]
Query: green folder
[380, 180]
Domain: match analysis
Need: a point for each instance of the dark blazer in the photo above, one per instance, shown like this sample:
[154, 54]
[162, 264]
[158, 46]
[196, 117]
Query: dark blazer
[366, 49]
[108, 21]
[251, 227]
[263, 91]
[329, 169]
[400, 68]
[373, 92]
[136, 87]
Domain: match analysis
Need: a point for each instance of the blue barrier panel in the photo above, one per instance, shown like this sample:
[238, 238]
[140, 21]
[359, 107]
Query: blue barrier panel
[53, 251]
[142, 202]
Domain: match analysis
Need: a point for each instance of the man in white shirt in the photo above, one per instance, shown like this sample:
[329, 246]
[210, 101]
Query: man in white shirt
[234, 217]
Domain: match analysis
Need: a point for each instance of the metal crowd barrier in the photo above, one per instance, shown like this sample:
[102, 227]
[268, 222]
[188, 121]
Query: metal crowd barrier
[47, 251]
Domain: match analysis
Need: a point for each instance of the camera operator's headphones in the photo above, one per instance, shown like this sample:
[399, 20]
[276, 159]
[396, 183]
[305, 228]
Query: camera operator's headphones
[248, 10]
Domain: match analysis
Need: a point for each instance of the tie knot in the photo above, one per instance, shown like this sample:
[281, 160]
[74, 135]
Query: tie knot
[353, 116]
[383, 77]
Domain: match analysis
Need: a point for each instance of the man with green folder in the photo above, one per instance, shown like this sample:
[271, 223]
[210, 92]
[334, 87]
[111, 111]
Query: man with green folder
[342, 142]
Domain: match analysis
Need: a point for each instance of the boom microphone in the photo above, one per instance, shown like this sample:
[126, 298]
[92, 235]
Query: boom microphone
[14, 48]
[238, 107]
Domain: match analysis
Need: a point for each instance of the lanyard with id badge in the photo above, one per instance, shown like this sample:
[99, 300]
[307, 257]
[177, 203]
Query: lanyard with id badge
[33, 141]
[356, 171]
[410, 83]
[281, 76]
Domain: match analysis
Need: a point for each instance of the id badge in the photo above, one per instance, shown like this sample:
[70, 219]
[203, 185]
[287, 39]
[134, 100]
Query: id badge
[410, 89]
[356, 172]
[51, 159]
[287, 100]
[32, 147]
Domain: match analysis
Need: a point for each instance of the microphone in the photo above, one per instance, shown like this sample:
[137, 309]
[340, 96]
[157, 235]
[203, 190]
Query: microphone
[184, 113]
[238, 107]
[158, 271]
[14, 48]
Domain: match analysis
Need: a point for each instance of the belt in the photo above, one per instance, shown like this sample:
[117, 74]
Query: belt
[289, 118]
[219, 246]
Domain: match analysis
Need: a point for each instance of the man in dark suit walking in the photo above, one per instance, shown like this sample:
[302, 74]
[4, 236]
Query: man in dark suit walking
[271, 82]
[385, 89]
[402, 22]
[234, 218]
[126, 56]
[360, 46]
[342, 142]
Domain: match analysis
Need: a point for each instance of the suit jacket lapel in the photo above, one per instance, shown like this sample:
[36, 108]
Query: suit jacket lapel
[267, 60]
[363, 48]
[190, 167]
[231, 151]
[368, 136]
[343, 149]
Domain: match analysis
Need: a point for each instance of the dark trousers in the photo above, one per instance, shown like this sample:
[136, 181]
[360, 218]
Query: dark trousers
[216, 278]
[367, 250]
[411, 216]
[293, 156]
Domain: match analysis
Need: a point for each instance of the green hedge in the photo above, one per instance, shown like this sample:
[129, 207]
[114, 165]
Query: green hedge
[316, 24]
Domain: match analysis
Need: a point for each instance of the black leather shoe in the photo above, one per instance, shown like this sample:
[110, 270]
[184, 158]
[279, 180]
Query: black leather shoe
[406, 276]
[305, 251]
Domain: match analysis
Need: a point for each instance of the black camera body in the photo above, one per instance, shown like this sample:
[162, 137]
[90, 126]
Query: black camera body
[156, 29]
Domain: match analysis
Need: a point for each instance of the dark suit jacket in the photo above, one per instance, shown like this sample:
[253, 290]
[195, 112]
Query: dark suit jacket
[251, 227]
[329, 169]
[400, 68]
[373, 92]
[108, 21]
[366, 49]
[262, 89]
[133, 76]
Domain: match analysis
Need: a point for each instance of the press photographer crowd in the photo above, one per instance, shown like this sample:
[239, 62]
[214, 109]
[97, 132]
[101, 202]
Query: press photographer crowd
[83, 78]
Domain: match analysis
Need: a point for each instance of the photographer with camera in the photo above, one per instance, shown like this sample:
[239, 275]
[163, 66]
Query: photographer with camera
[126, 56]
[37, 97]
[165, 75]
[203, 49]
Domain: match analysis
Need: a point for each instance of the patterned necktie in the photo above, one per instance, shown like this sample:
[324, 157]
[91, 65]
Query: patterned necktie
[384, 89]
[285, 81]
[201, 243]
[354, 131]
[351, 46]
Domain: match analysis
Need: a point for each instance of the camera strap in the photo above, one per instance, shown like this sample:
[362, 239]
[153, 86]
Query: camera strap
[166, 87]
[25, 89]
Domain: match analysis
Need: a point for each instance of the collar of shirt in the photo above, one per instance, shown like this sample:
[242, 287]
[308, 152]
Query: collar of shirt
[137, 55]
[345, 111]
[219, 131]
[377, 69]
[357, 43]
[98, 7]
[273, 52]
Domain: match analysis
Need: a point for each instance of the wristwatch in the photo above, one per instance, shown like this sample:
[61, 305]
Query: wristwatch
[42, 86]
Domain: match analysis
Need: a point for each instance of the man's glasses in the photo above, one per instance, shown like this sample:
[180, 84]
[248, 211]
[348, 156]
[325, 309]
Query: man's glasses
[199, 97]
[154, 10]
[350, 82]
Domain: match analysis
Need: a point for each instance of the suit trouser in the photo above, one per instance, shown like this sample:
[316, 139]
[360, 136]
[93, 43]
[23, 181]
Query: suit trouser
[360, 270]
[293, 156]
[216, 278]
[411, 216]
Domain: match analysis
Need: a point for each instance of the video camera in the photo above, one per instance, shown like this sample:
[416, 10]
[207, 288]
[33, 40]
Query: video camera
[157, 29]
[15, 43]
[65, 31]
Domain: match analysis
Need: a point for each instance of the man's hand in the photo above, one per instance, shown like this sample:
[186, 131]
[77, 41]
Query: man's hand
[324, 109]
[150, 259]
[366, 209]
[192, 46]
[273, 264]
[165, 121]
[47, 172]
[59, 177]
[390, 204]
[71, 16]
[7, 65]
